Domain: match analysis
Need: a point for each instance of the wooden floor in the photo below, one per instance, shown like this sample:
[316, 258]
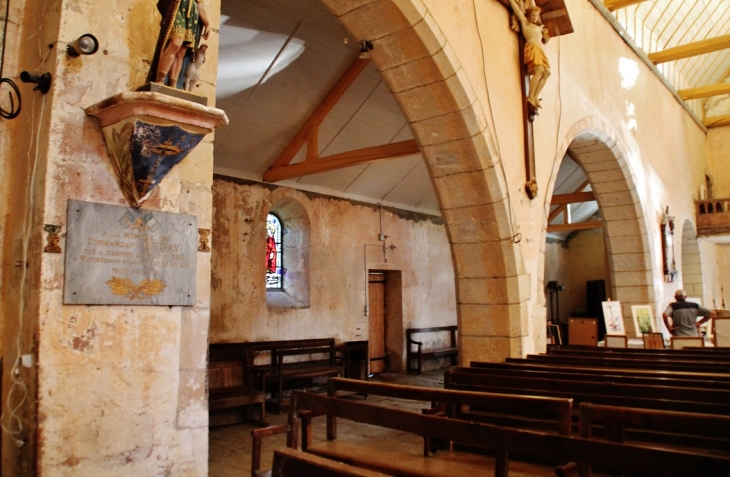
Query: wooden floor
[230, 446]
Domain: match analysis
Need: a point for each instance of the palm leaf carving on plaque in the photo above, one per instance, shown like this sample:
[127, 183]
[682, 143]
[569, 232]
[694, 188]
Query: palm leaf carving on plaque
[126, 287]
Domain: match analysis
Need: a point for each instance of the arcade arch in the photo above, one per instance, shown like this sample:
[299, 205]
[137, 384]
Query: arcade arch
[595, 148]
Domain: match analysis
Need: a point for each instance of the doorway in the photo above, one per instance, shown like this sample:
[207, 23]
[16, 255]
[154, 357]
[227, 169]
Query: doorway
[385, 319]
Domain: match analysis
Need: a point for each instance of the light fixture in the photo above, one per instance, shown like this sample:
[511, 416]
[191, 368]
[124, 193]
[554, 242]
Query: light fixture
[43, 82]
[84, 45]
[365, 47]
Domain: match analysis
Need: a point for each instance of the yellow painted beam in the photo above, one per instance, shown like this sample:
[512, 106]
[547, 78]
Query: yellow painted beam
[717, 121]
[691, 49]
[704, 91]
[613, 5]
[594, 224]
[339, 161]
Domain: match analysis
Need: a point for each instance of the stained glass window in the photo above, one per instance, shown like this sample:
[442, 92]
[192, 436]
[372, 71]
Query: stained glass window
[274, 257]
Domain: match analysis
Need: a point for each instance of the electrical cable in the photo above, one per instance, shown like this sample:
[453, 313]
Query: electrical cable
[18, 384]
[516, 237]
[13, 112]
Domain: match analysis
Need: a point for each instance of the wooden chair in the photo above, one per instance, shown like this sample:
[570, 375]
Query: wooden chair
[679, 342]
[616, 341]
[721, 330]
[653, 340]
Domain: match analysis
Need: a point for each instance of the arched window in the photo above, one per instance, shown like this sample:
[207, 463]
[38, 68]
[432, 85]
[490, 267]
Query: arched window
[274, 255]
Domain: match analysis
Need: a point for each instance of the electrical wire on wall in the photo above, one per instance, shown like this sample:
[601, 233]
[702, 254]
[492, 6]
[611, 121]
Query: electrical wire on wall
[10, 420]
[14, 110]
[516, 237]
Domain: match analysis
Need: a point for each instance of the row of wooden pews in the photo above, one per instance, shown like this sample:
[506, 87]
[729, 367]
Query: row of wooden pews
[501, 426]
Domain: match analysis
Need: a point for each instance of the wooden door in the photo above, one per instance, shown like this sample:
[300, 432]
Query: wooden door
[376, 335]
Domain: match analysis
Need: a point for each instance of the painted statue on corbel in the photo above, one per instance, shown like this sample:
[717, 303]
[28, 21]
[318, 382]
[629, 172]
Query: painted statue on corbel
[151, 130]
[183, 24]
[529, 22]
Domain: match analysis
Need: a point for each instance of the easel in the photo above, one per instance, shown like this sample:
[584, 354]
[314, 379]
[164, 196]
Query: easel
[555, 18]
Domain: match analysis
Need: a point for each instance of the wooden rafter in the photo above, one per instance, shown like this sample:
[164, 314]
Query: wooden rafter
[691, 49]
[704, 91]
[594, 224]
[564, 207]
[717, 121]
[338, 161]
[282, 168]
[574, 198]
[613, 5]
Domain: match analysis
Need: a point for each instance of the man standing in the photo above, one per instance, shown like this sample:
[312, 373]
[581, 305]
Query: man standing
[684, 316]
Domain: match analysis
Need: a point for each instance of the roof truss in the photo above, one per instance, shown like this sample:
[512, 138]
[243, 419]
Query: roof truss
[613, 5]
[282, 168]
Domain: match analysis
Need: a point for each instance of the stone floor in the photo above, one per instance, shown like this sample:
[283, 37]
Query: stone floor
[230, 446]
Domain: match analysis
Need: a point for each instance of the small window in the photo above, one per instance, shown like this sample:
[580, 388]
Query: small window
[274, 256]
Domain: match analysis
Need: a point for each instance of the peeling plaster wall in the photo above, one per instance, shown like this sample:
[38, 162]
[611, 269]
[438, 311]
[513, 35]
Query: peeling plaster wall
[120, 390]
[339, 231]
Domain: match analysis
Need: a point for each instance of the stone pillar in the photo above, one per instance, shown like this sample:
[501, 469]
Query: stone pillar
[120, 390]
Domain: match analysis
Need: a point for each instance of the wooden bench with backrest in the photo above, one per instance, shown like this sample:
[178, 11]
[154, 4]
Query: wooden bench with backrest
[556, 448]
[415, 352]
[615, 376]
[232, 382]
[596, 391]
[691, 365]
[711, 353]
[690, 430]
[294, 463]
[297, 368]
[524, 412]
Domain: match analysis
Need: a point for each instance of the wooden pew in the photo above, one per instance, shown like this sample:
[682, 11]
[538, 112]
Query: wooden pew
[628, 458]
[293, 463]
[309, 362]
[524, 412]
[712, 354]
[630, 363]
[597, 391]
[579, 374]
[692, 431]
[580, 368]
[419, 354]
[232, 382]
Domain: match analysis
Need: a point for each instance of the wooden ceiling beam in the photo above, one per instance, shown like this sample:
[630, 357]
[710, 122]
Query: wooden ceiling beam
[339, 161]
[562, 208]
[594, 224]
[574, 198]
[717, 121]
[691, 49]
[704, 91]
[613, 5]
[315, 120]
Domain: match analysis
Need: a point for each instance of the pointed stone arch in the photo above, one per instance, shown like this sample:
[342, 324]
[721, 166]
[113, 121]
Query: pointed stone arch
[595, 147]
[446, 116]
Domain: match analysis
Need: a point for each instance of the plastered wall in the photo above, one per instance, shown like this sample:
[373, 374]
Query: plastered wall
[343, 236]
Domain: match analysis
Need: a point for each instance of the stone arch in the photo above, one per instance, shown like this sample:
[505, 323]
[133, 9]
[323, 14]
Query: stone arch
[692, 281]
[595, 147]
[436, 98]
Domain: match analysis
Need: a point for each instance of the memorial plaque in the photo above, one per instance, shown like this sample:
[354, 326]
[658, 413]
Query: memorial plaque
[124, 256]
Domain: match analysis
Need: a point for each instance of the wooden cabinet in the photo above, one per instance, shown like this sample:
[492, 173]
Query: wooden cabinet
[583, 331]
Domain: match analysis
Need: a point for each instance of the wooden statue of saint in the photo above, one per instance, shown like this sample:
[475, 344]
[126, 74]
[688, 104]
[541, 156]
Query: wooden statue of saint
[184, 23]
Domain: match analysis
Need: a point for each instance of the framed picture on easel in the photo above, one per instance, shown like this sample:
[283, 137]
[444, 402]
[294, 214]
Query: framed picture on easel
[643, 319]
[613, 317]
